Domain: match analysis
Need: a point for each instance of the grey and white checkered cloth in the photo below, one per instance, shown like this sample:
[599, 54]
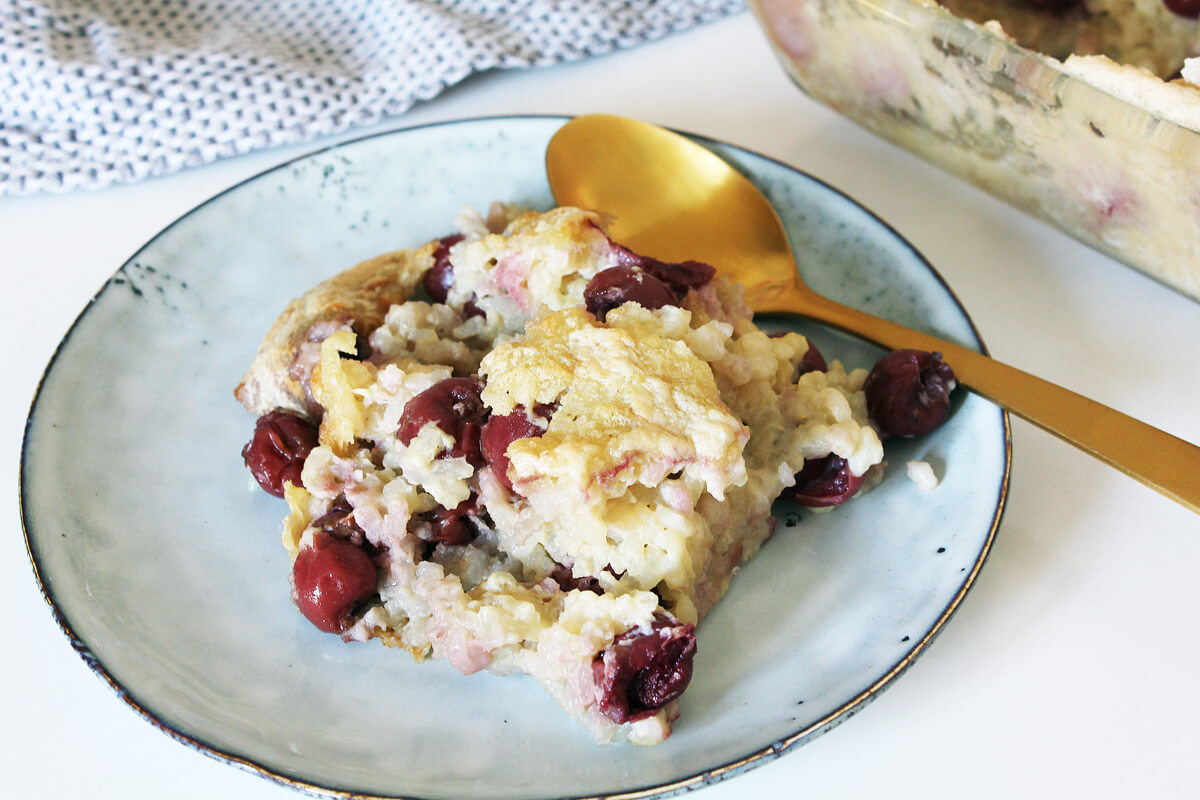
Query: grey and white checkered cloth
[94, 92]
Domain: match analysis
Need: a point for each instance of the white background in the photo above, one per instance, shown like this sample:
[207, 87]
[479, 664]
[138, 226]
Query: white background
[1070, 669]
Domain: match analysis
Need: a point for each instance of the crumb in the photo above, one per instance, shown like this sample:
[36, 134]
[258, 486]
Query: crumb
[920, 473]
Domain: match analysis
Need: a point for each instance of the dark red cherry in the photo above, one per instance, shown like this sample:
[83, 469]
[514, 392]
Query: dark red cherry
[811, 361]
[640, 672]
[679, 277]
[456, 406]
[453, 525]
[329, 579]
[1184, 8]
[501, 431]
[338, 521]
[616, 286]
[275, 455]
[908, 392]
[440, 277]
[824, 482]
[566, 580]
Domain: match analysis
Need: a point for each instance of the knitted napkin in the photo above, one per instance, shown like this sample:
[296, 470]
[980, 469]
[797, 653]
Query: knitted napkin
[94, 92]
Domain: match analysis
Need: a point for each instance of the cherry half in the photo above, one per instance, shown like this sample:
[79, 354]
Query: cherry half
[640, 673]
[456, 406]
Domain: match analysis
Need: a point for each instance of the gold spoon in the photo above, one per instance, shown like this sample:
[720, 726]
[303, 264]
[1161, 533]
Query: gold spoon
[674, 200]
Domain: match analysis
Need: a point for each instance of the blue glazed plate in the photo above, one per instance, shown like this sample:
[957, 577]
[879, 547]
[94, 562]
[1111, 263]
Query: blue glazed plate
[166, 570]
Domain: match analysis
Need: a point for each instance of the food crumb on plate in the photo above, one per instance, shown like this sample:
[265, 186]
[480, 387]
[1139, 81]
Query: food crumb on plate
[922, 474]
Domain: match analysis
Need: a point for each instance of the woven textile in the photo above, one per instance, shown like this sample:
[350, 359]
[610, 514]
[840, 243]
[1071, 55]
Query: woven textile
[94, 92]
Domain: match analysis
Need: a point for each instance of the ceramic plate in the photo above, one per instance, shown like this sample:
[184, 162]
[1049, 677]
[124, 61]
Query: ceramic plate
[166, 570]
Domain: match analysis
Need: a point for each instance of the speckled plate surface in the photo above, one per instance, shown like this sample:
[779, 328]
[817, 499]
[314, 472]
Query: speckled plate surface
[166, 570]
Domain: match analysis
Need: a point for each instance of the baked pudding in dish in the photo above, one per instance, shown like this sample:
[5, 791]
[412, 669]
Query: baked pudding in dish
[524, 448]
[1084, 113]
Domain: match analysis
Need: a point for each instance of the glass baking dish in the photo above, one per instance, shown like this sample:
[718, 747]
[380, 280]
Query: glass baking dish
[1012, 121]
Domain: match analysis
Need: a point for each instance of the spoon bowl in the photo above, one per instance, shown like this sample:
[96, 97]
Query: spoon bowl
[674, 200]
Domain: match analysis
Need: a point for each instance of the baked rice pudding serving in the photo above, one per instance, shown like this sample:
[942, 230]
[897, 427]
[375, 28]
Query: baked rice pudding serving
[524, 448]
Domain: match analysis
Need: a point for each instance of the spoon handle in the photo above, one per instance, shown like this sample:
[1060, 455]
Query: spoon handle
[1163, 462]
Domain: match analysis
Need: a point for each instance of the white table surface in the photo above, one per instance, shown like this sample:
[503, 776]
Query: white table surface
[1070, 669]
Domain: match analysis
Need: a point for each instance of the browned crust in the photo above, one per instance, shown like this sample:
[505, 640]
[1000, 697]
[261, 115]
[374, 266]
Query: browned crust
[358, 297]
[392, 639]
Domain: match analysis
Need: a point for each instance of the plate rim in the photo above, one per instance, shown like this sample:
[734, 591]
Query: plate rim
[705, 777]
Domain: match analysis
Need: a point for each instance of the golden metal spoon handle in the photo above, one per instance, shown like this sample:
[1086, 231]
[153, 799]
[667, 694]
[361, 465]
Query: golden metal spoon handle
[1163, 462]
